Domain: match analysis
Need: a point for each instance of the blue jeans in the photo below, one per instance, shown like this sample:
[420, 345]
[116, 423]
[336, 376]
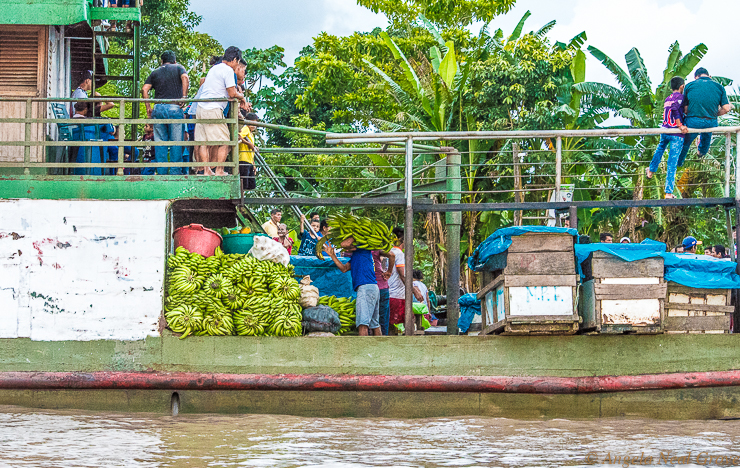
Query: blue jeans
[675, 144]
[385, 310]
[168, 132]
[367, 306]
[705, 139]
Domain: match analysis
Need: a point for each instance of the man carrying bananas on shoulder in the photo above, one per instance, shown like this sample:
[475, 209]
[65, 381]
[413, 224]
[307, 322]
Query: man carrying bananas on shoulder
[362, 268]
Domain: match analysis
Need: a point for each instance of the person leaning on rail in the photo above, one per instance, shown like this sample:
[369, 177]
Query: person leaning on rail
[706, 100]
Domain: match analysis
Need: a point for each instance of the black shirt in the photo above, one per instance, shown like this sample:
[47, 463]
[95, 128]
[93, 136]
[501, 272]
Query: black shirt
[167, 81]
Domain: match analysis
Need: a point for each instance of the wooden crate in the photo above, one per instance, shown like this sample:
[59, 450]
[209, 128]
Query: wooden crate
[695, 310]
[623, 297]
[535, 293]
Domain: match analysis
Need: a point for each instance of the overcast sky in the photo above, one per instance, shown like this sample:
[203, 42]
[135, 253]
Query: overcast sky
[612, 26]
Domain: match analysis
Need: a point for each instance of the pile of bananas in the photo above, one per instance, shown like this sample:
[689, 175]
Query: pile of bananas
[345, 308]
[231, 294]
[368, 234]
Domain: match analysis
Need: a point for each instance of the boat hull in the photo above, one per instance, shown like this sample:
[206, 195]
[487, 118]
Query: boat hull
[660, 376]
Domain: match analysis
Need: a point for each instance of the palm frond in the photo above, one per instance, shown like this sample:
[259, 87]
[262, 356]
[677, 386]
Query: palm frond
[545, 29]
[638, 71]
[622, 76]
[408, 70]
[433, 31]
[688, 62]
[578, 40]
[517, 33]
[399, 93]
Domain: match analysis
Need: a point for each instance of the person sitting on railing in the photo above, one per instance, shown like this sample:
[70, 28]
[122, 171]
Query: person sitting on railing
[706, 100]
[672, 118]
[84, 86]
[219, 83]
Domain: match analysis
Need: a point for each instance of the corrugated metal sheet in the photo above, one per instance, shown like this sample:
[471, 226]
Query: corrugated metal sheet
[81, 270]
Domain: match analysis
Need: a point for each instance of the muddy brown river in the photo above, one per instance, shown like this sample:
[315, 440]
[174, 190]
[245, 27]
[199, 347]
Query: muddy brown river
[30, 438]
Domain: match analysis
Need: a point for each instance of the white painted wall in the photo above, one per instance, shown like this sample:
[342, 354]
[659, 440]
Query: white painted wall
[81, 270]
[541, 300]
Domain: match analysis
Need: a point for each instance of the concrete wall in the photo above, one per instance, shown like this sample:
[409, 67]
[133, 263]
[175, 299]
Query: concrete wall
[81, 270]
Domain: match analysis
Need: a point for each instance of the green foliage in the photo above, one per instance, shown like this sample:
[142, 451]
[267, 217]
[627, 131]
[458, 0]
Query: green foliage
[446, 13]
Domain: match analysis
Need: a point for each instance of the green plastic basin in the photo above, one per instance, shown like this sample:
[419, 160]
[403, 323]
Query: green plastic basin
[239, 243]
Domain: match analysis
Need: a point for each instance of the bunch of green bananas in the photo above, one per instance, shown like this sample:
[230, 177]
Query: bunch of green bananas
[345, 308]
[368, 234]
[231, 294]
[184, 319]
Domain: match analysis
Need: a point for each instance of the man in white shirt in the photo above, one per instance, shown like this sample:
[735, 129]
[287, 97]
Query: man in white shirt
[220, 83]
[396, 283]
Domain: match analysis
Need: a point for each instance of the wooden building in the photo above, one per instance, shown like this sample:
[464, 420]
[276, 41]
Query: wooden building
[44, 44]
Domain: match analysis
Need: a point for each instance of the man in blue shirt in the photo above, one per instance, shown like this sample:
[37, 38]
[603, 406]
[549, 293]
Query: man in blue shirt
[362, 268]
[705, 101]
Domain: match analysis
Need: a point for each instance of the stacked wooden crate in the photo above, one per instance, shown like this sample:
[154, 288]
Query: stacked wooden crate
[623, 297]
[695, 310]
[534, 290]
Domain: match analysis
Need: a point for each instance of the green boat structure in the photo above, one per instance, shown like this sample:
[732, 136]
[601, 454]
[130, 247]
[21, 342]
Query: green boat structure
[82, 278]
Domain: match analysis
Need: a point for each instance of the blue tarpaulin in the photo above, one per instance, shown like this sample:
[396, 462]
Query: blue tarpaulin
[700, 271]
[627, 252]
[469, 308]
[500, 240]
[325, 275]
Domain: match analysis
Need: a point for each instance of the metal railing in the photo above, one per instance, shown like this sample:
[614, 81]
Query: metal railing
[121, 122]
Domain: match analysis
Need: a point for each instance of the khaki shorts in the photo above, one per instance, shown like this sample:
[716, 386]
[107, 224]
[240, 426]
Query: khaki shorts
[211, 132]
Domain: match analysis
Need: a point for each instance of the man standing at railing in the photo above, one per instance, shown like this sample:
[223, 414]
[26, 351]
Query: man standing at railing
[220, 83]
[705, 100]
[169, 81]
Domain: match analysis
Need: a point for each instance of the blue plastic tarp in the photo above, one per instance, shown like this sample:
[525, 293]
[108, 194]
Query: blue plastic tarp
[500, 240]
[324, 275]
[700, 271]
[469, 308]
[626, 252]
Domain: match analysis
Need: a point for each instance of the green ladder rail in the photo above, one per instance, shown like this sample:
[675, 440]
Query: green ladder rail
[130, 16]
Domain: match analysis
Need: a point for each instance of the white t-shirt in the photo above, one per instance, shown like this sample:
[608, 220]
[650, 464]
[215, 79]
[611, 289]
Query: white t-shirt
[219, 78]
[424, 292]
[396, 288]
[78, 93]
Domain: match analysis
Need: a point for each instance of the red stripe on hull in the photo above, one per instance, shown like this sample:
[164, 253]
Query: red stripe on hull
[368, 383]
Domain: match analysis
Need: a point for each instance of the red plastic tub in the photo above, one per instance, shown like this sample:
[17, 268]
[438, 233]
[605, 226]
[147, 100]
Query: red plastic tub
[198, 239]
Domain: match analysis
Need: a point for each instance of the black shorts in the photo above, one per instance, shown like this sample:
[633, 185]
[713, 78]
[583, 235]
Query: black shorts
[248, 175]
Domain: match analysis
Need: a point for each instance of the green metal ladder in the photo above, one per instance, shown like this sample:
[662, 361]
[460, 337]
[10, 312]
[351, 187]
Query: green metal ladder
[123, 16]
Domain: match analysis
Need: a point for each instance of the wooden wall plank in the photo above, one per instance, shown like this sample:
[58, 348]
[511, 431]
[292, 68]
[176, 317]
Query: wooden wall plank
[540, 280]
[609, 266]
[627, 291]
[702, 307]
[542, 263]
[535, 242]
[697, 323]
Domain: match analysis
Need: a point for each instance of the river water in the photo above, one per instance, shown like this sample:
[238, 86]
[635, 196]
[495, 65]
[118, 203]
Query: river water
[85, 439]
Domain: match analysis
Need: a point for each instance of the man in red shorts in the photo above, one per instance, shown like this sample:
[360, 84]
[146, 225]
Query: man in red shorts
[396, 283]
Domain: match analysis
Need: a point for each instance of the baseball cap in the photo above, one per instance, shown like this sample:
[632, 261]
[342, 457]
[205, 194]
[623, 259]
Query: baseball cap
[625, 239]
[689, 242]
